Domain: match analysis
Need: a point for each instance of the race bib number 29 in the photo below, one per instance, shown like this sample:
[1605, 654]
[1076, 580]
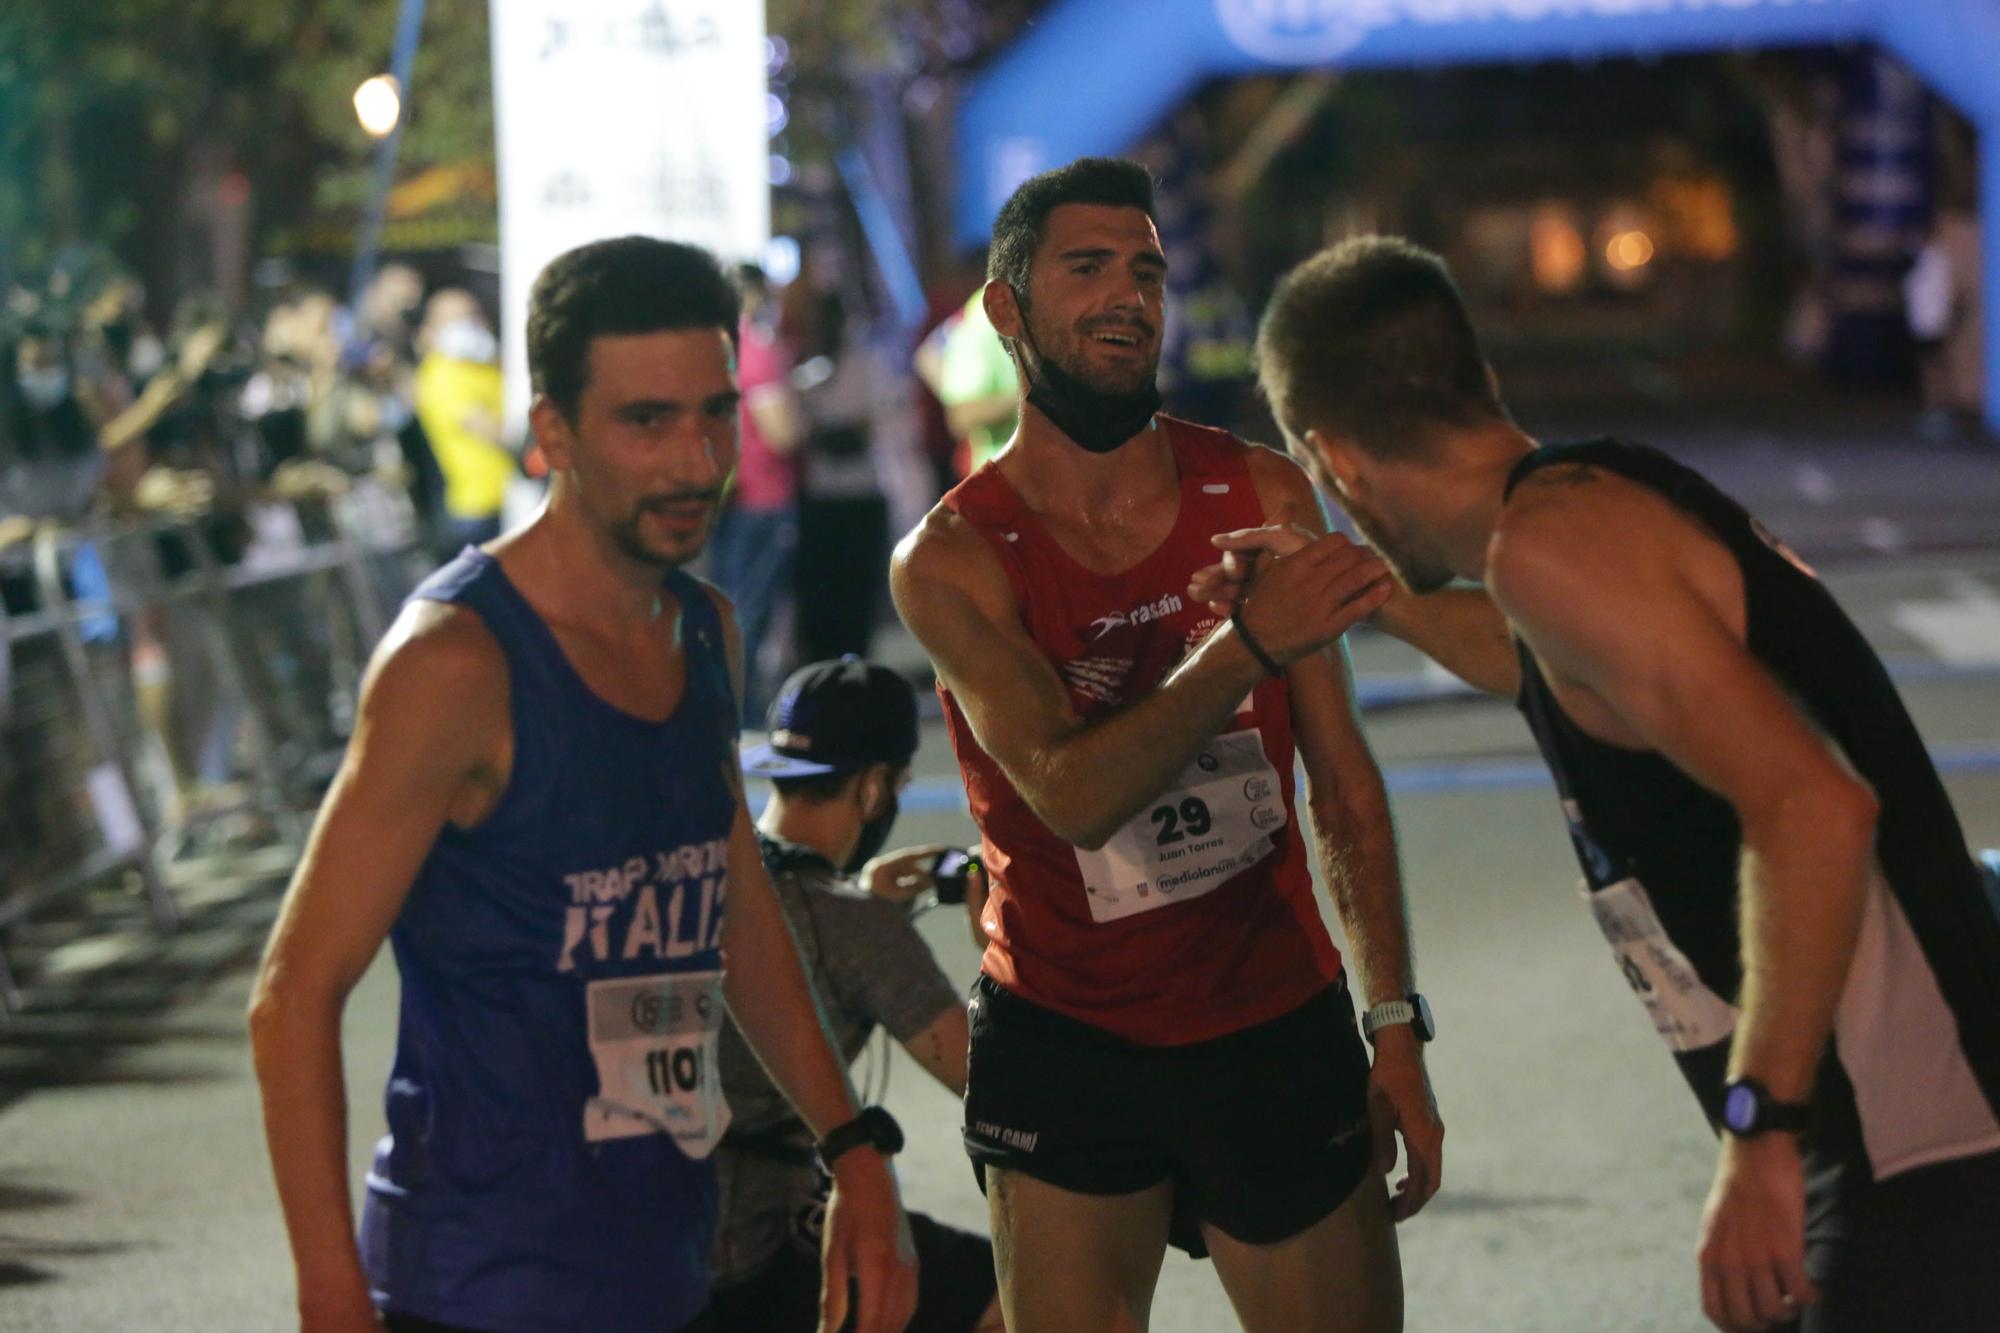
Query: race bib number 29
[1218, 819]
[654, 1042]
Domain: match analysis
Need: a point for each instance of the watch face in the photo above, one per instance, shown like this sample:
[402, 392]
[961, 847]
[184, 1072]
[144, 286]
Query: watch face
[1426, 1025]
[1739, 1108]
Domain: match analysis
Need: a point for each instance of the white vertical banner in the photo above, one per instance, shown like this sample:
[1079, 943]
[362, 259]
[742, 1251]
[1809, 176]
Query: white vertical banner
[622, 116]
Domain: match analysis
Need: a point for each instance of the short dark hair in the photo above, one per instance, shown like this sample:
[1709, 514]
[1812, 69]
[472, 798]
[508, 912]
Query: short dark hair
[632, 284]
[1370, 338]
[1115, 182]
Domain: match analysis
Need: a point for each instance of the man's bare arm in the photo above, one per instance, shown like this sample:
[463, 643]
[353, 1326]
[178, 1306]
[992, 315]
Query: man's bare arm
[1357, 851]
[940, 1048]
[432, 727]
[1084, 782]
[1639, 635]
[768, 995]
[1458, 628]
[1462, 631]
[765, 984]
[1647, 636]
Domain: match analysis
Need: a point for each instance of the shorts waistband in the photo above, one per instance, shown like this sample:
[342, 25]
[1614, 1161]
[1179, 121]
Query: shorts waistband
[1025, 1015]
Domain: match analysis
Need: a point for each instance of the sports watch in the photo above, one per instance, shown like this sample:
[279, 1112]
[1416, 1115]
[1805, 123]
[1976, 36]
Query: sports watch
[1748, 1109]
[1413, 1009]
[874, 1128]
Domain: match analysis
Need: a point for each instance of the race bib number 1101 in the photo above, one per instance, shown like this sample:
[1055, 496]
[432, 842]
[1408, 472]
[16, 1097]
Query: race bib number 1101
[654, 1041]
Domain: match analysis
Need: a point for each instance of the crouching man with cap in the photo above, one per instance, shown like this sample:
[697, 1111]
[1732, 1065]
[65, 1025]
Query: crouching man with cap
[842, 735]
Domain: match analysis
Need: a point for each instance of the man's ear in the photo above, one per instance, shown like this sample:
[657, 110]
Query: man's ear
[871, 789]
[553, 432]
[1336, 462]
[1003, 308]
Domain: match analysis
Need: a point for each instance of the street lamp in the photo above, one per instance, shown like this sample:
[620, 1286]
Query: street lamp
[378, 103]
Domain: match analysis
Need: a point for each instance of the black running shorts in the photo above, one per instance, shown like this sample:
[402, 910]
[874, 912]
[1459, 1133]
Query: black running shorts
[1263, 1132]
[1920, 1250]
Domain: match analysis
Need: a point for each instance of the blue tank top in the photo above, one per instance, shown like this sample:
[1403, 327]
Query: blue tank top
[554, 1093]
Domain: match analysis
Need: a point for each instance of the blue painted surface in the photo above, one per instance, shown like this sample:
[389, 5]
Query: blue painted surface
[1091, 76]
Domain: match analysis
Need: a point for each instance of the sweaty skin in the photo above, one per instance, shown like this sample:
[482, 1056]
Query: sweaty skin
[1068, 1260]
[1635, 614]
[638, 474]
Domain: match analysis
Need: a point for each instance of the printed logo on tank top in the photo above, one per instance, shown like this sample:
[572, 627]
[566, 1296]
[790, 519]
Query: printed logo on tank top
[1099, 678]
[1142, 614]
[666, 906]
[1198, 635]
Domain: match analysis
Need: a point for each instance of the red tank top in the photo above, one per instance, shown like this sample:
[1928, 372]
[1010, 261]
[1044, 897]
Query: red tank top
[1198, 918]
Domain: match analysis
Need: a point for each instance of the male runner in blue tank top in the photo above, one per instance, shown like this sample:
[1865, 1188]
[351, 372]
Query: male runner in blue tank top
[541, 810]
[1767, 846]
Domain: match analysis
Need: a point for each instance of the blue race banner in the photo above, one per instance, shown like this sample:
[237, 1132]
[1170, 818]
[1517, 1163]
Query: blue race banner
[1092, 76]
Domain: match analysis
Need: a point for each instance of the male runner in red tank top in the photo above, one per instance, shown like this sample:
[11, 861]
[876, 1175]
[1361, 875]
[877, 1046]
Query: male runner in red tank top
[1163, 1047]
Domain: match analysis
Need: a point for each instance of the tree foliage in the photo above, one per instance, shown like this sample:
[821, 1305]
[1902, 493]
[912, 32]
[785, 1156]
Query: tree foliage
[110, 111]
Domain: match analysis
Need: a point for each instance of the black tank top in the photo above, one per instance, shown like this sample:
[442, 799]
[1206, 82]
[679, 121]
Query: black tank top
[1912, 1075]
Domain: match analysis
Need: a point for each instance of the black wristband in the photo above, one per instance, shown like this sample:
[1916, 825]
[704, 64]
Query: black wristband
[874, 1127]
[1256, 649]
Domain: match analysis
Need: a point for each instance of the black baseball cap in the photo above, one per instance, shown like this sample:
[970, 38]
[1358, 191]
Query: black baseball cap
[834, 717]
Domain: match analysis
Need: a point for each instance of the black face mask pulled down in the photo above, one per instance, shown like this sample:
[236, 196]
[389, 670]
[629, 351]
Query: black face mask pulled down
[1098, 422]
[874, 837]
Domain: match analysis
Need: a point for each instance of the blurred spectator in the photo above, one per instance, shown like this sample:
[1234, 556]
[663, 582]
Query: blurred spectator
[758, 533]
[459, 406]
[843, 514]
[1943, 299]
[389, 308]
[977, 384]
[48, 419]
[279, 394]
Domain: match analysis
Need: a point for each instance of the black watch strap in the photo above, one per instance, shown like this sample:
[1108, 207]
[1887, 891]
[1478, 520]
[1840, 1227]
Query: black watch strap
[1749, 1109]
[874, 1128]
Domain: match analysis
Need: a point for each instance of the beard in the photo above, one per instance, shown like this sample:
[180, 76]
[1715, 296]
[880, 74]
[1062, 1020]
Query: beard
[1068, 351]
[1417, 570]
[629, 533]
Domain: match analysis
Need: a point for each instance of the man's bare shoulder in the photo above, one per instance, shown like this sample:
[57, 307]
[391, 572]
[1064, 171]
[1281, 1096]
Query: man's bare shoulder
[438, 663]
[945, 549]
[1543, 534]
[1580, 537]
[1282, 485]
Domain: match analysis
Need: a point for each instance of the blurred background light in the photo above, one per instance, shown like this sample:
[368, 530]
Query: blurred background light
[781, 260]
[378, 105]
[1629, 250]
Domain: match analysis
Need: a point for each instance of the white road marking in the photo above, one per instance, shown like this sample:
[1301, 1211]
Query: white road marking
[1962, 630]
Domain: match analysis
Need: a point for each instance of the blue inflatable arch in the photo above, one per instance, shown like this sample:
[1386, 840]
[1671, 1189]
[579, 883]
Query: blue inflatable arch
[1092, 76]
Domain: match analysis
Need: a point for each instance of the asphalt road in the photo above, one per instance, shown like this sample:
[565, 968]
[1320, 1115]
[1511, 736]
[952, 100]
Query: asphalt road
[134, 1192]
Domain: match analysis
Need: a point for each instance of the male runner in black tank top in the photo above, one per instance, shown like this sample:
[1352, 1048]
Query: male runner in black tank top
[1769, 851]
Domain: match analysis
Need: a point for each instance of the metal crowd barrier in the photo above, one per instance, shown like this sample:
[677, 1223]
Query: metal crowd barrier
[168, 687]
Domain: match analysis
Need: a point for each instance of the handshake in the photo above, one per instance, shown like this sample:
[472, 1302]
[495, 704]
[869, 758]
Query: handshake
[1292, 591]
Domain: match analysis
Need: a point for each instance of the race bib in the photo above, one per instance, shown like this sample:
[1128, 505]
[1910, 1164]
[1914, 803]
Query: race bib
[654, 1040]
[1221, 817]
[1685, 1012]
